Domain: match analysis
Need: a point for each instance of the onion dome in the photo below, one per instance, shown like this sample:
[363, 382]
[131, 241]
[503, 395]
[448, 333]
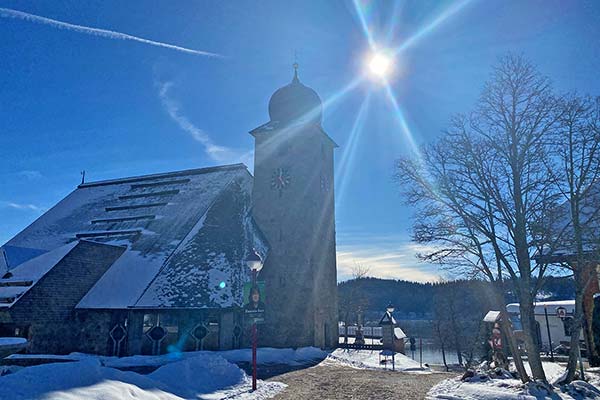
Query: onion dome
[295, 102]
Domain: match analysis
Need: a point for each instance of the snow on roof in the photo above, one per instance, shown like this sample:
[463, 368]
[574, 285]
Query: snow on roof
[22, 278]
[492, 316]
[160, 219]
[208, 268]
[124, 282]
[551, 306]
[387, 319]
[177, 260]
[399, 333]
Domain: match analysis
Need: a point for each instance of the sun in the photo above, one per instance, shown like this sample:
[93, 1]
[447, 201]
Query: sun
[379, 65]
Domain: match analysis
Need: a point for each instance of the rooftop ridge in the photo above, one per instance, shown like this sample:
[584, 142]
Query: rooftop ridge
[194, 171]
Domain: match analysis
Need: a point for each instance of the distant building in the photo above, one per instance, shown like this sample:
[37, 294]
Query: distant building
[136, 265]
[564, 251]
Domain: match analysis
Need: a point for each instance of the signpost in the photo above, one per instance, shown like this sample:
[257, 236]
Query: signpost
[254, 306]
[561, 312]
[549, 336]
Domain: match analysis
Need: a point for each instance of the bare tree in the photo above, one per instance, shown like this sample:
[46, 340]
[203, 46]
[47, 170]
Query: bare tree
[354, 303]
[360, 271]
[575, 171]
[483, 191]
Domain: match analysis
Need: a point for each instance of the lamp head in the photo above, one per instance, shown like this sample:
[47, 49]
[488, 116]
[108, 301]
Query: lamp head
[253, 261]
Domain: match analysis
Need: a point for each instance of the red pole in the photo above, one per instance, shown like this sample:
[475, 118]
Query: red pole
[254, 341]
[254, 356]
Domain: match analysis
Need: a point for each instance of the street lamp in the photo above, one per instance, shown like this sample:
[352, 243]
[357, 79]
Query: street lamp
[254, 262]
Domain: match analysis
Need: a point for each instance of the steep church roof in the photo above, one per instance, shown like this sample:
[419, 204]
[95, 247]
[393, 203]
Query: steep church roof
[187, 234]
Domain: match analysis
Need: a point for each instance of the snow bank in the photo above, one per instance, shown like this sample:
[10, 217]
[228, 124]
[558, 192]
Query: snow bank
[204, 376]
[12, 341]
[265, 355]
[268, 355]
[509, 389]
[369, 359]
[512, 389]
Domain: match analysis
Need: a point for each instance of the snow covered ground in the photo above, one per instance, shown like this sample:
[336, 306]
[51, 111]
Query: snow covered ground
[513, 389]
[194, 375]
[369, 359]
[201, 375]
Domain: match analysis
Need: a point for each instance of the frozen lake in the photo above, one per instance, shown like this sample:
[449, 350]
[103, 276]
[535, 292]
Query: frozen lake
[431, 354]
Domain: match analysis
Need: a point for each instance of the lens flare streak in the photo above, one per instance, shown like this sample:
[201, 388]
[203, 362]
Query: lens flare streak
[363, 23]
[431, 26]
[347, 160]
[408, 136]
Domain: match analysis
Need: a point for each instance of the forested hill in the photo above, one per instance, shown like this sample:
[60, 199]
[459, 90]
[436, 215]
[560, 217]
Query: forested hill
[412, 299]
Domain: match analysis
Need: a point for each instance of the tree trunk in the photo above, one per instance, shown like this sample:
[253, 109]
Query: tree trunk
[588, 316]
[507, 332]
[575, 332]
[531, 336]
[459, 353]
[444, 357]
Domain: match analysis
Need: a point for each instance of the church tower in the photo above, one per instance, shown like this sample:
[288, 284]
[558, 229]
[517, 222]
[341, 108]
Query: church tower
[293, 204]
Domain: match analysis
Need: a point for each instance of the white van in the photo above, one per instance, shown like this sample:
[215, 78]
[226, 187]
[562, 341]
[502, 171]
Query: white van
[559, 327]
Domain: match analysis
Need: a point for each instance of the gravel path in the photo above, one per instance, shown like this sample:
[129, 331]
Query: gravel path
[333, 381]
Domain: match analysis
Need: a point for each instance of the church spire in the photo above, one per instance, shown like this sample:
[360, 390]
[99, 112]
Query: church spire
[295, 80]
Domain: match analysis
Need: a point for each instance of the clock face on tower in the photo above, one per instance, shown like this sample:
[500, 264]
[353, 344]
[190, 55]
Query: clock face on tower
[280, 179]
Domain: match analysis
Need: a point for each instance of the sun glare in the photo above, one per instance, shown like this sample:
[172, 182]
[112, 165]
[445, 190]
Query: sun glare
[380, 65]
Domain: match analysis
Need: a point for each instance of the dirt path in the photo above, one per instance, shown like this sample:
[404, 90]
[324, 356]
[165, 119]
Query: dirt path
[333, 381]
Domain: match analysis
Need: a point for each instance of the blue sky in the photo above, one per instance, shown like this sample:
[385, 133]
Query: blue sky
[71, 101]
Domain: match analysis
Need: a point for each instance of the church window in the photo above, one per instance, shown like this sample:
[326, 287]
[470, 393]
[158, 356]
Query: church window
[149, 321]
[135, 206]
[151, 194]
[123, 219]
[163, 183]
[169, 322]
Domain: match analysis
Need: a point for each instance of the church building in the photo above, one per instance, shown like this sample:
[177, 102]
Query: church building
[157, 263]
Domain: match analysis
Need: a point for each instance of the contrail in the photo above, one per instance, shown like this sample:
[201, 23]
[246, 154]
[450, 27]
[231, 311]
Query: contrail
[214, 151]
[8, 13]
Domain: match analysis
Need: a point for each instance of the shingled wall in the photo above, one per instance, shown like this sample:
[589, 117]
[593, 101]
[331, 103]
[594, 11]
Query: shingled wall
[48, 308]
